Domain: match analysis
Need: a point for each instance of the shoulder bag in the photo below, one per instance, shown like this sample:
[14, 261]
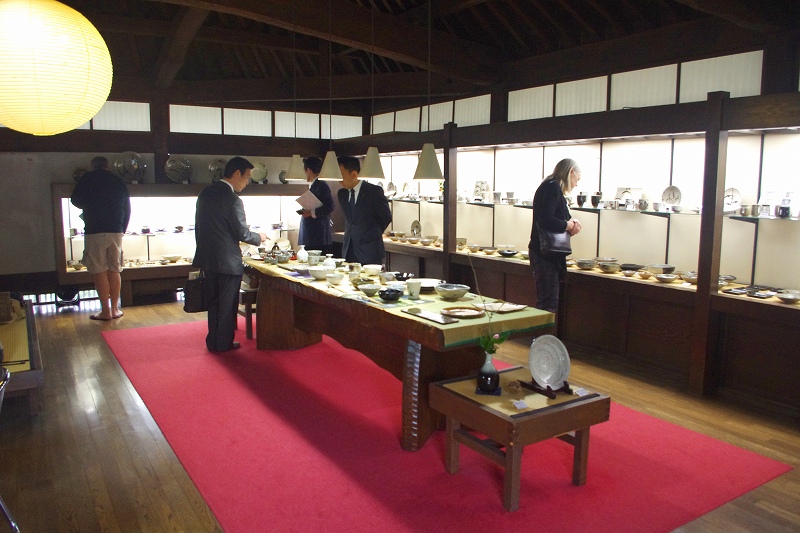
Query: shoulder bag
[553, 243]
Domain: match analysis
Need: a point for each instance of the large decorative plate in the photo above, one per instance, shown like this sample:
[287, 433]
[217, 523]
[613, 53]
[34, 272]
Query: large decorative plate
[549, 362]
[732, 200]
[259, 172]
[416, 229]
[671, 195]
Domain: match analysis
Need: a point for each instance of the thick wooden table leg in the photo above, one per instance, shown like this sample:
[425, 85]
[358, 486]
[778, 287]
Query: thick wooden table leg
[451, 457]
[580, 457]
[511, 480]
[275, 328]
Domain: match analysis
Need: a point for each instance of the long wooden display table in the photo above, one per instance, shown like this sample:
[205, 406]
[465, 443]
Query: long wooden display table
[295, 312]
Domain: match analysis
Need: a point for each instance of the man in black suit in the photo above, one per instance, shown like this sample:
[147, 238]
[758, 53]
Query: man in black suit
[367, 214]
[219, 227]
[315, 226]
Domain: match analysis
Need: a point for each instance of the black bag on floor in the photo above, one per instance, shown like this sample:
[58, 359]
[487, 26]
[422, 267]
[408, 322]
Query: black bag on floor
[194, 299]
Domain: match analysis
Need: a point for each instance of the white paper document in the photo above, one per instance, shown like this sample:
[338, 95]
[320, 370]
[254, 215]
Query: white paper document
[308, 201]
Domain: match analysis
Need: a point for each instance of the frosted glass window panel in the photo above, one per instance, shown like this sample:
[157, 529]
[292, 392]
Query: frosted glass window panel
[526, 104]
[688, 160]
[342, 127]
[308, 126]
[431, 217]
[407, 120]
[781, 166]
[195, 119]
[475, 223]
[739, 74]
[261, 211]
[584, 244]
[512, 225]
[518, 170]
[284, 124]
[684, 241]
[581, 96]
[588, 158]
[642, 164]
[404, 214]
[123, 116]
[742, 166]
[472, 111]
[777, 250]
[383, 123]
[251, 122]
[440, 115]
[631, 236]
[646, 87]
[474, 166]
[736, 255]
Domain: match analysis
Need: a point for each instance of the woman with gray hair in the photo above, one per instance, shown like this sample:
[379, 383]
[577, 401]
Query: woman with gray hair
[551, 213]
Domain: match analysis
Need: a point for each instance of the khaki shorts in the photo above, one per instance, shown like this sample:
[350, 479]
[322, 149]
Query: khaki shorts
[102, 252]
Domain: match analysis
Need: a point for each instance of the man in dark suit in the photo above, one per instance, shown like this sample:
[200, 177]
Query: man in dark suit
[219, 227]
[367, 214]
[315, 226]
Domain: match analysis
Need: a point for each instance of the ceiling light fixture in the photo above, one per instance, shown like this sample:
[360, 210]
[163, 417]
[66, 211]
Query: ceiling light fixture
[55, 68]
[330, 166]
[428, 166]
[371, 167]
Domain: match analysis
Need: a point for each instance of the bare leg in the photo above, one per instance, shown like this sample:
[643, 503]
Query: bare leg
[101, 285]
[114, 286]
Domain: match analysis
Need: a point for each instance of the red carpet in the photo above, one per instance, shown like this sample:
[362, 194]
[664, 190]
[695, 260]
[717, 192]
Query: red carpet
[308, 440]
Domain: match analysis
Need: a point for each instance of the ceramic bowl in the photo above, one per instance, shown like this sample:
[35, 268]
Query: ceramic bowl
[666, 278]
[631, 266]
[370, 289]
[585, 264]
[644, 274]
[606, 259]
[320, 272]
[474, 248]
[677, 208]
[691, 277]
[402, 276]
[413, 240]
[788, 297]
[524, 255]
[402, 239]
[661, 269]
[433, 237]
[317, 253]
[334, 278]
[79, 266]
[608, 268]
[508, 253]
[426, 242]
[171, 258]
[163, 262]
[390, 294]
[451, 291]
[358, 282]
[372, 270]
[628, 273]
[489, 250]
[461, 241]
[339, 261]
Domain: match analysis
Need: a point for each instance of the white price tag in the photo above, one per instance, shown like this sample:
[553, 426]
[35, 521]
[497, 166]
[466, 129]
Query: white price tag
[520, 404]
[580, 391]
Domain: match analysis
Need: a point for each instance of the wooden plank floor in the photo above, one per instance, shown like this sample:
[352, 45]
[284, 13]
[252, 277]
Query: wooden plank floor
[94, 459]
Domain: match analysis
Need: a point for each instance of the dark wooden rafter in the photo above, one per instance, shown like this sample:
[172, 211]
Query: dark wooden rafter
[176, 45]
[563, 31]
[769, 16]
[542, 36]
[508, 25]
[407, 43]
[567, 6]
[440, 8]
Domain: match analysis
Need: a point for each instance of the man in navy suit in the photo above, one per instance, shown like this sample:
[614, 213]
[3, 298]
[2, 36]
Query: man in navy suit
[366, 212]
[219, 227]
[315, 226]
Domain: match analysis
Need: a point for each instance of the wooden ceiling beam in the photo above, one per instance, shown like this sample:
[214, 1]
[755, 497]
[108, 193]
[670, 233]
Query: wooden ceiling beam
[394, 38]
[176, 46]
[439, 9]
[766, 17]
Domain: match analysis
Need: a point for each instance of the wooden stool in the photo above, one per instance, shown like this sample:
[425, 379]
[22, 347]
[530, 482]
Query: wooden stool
[247, 299]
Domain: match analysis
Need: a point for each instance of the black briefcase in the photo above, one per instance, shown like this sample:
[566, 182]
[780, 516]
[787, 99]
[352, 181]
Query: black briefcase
[194, 295]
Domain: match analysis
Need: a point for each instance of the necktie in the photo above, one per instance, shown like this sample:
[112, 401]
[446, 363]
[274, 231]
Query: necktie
[352, 200]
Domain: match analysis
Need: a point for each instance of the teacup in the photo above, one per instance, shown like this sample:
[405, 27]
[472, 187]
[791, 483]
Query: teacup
[314, 260]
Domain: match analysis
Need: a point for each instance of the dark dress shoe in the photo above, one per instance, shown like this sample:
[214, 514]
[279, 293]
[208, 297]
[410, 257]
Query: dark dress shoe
[235, 345]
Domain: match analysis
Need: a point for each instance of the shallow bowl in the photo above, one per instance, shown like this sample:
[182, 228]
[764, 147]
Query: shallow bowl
[788, 297]
[370, 289]
[390, 295]
[451, 291]
[163, 262]
[628, 273]
[81, 266]
[606, 259]
[666, 278]
[413, 240]
[358, 282]
[425, 242]
[334, 278]
[489, 250]
[371, 270]
[320, 272]
[585, 264]
[171, 258]
[644, 274]
[432, 237]
[508, 253]
[609, 268]
[402, 276]
[691, 277]
[474, 248]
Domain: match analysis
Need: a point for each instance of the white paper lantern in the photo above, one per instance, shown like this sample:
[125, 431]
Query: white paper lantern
[55, 68]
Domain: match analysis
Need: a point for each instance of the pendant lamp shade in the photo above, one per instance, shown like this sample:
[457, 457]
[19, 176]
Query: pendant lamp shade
[428, 166]
[330, 168]
[55, 68]
[296, 170]
[372, 167]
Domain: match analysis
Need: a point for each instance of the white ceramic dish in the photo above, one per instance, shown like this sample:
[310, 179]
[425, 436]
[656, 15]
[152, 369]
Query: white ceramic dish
[548, 360]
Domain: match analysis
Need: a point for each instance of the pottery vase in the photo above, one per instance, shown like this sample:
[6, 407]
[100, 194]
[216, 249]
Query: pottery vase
[488, 376]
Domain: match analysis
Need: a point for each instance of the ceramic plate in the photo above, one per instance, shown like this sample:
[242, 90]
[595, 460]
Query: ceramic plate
[549, 362]
[732, 200]
[429, 283]
[416, 228]
[671, 195]
[463, 312]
